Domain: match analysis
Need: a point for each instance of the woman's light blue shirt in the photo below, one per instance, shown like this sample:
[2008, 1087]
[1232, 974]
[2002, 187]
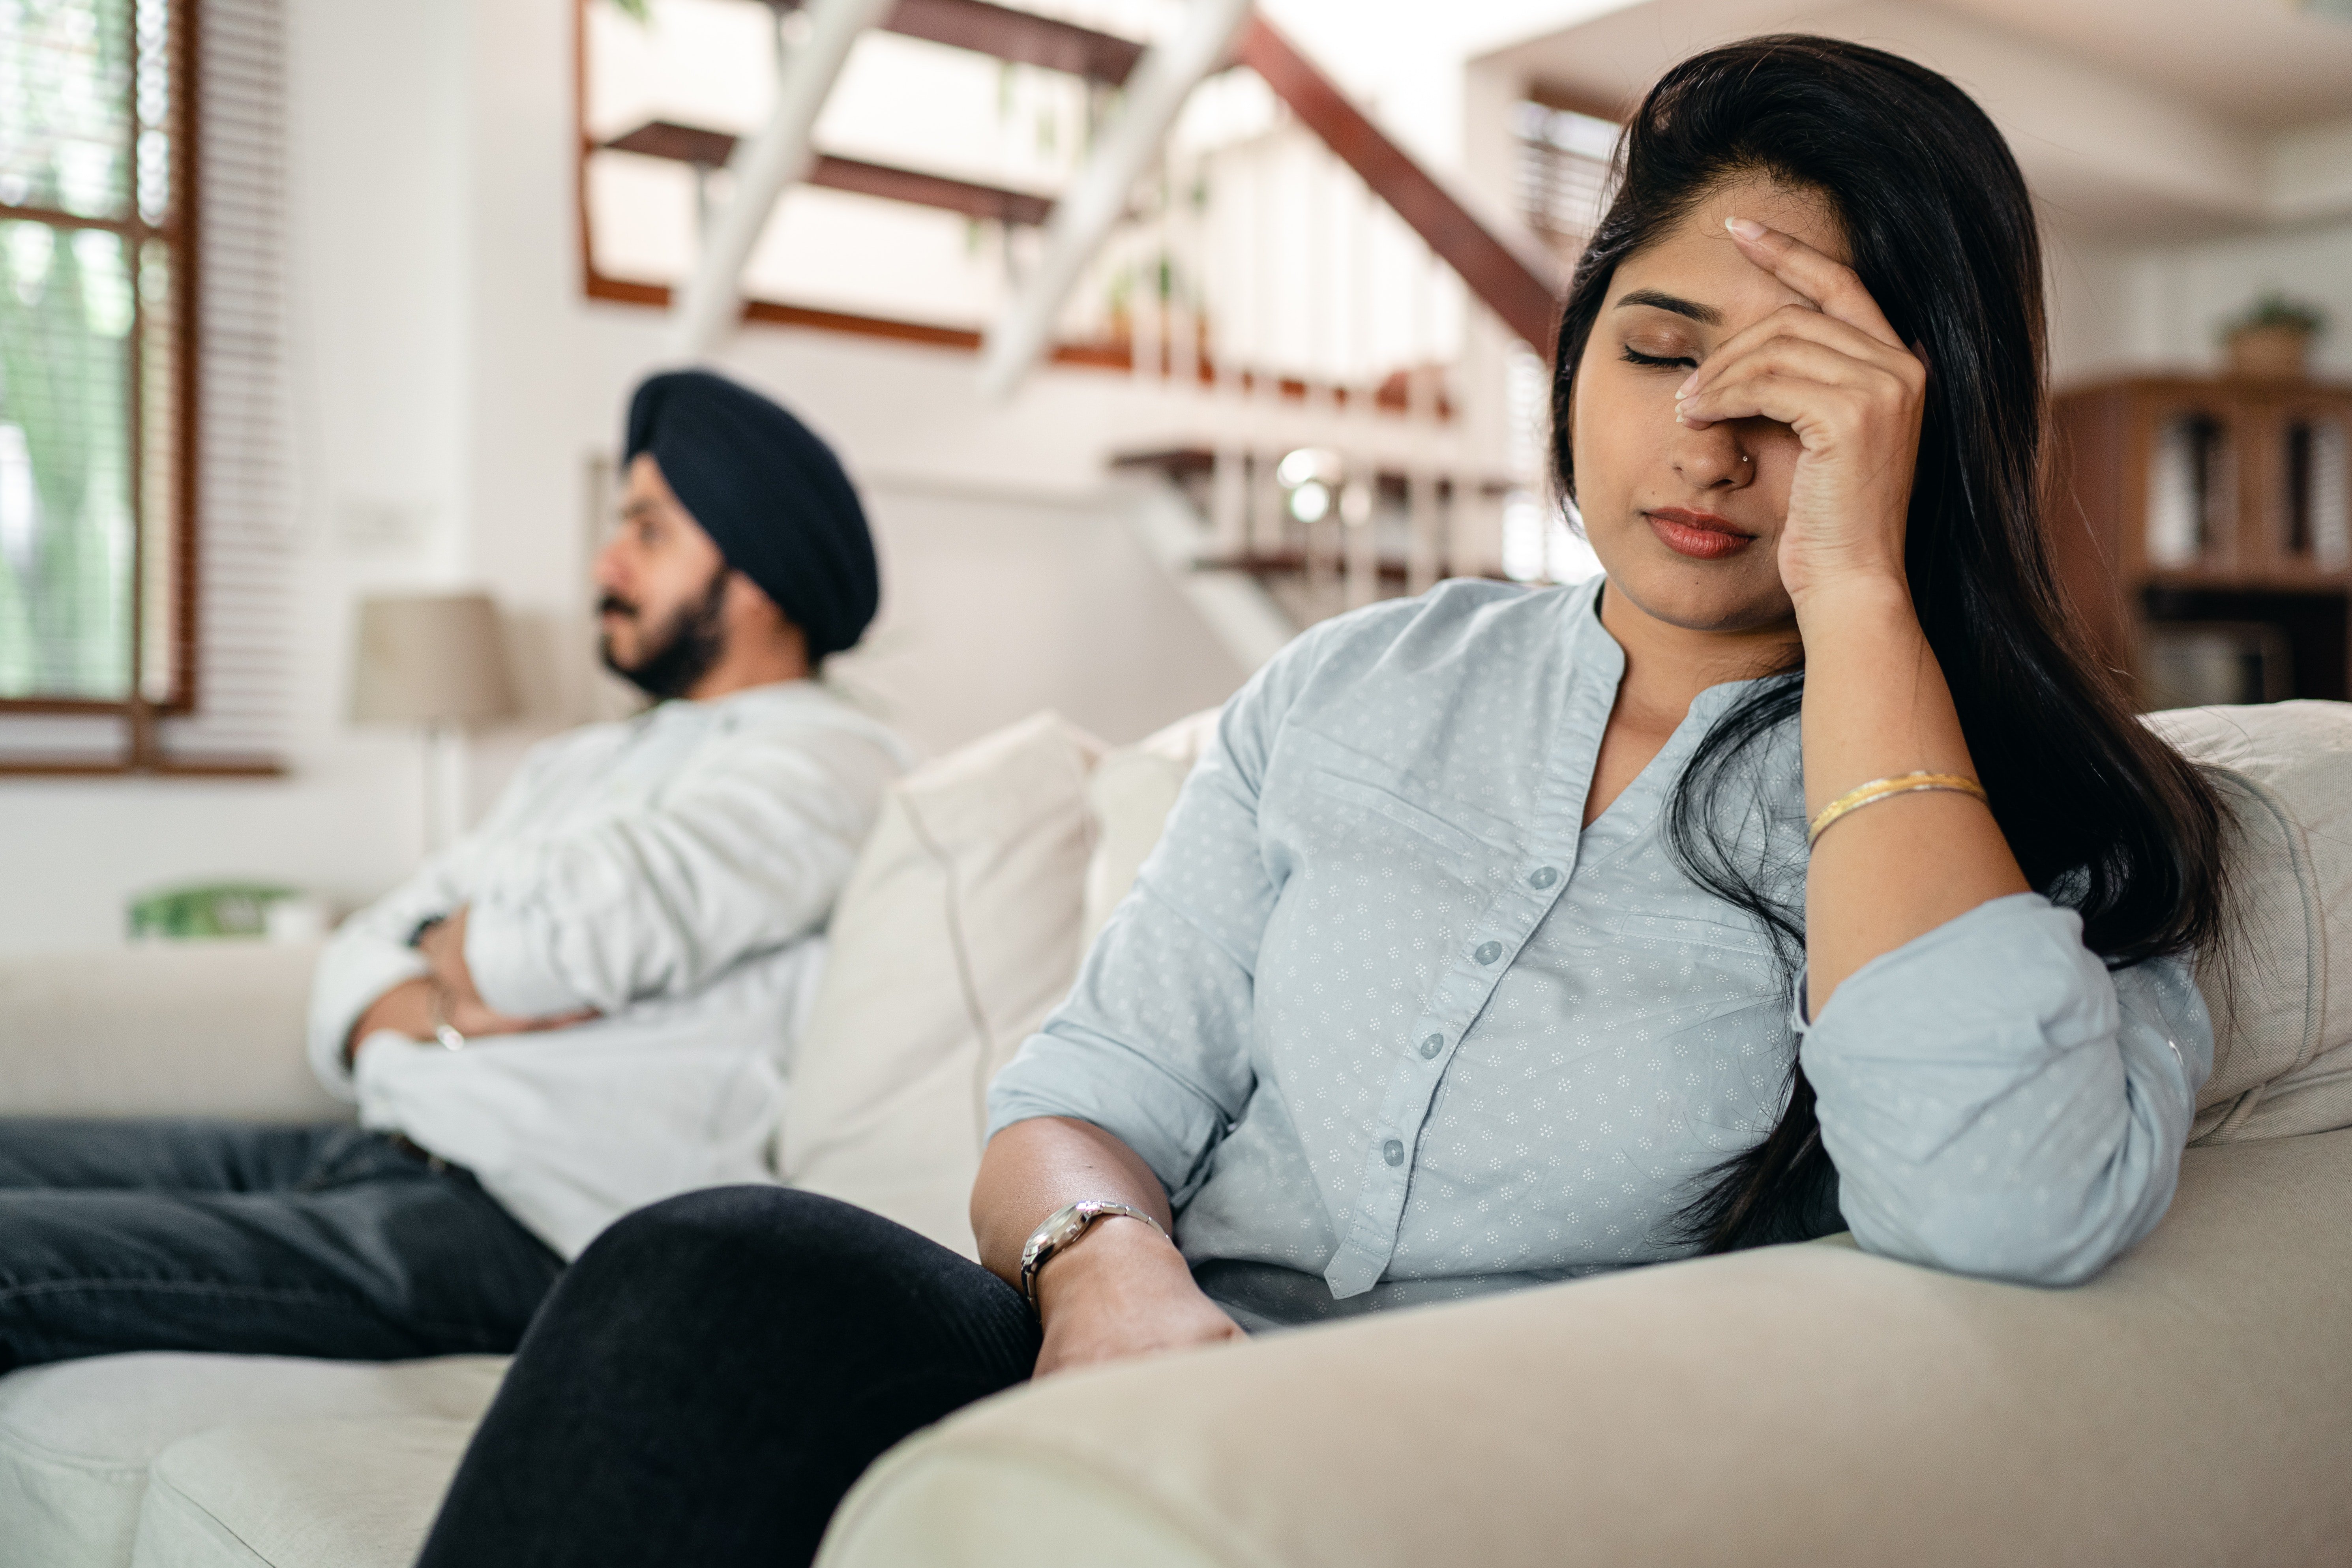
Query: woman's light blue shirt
[1381, 1008]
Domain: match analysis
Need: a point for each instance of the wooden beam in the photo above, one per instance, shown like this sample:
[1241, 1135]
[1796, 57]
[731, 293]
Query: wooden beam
[1020, 36]
[930, 190]
[711, 149]
[678, 143]
[1505, 284]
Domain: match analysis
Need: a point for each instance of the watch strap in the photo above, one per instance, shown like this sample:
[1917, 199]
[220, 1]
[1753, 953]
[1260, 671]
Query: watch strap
[1063, 1228]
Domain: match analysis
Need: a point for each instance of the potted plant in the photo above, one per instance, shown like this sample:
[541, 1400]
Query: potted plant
[2272, 339]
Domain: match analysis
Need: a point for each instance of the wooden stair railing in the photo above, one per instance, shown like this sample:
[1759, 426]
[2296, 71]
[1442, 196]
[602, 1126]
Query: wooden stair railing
[706, 150]
[1497, 276]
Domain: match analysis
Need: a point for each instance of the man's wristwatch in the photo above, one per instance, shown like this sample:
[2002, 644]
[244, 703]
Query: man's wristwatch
[1062, 1227]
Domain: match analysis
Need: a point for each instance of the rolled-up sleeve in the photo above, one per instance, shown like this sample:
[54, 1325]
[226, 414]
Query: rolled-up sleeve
[1153, 1044]
[1999, 1103]
[744, 852]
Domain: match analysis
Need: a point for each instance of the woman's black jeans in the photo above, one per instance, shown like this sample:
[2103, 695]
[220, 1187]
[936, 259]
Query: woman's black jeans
[708, 1379]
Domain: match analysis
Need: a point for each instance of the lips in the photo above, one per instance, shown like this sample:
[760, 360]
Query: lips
[1701, 535]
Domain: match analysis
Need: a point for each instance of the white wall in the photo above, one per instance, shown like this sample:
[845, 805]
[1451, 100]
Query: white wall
[451, 386]
[2175, 300]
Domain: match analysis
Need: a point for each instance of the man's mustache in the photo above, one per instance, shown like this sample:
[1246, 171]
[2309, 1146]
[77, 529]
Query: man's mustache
[613, 604]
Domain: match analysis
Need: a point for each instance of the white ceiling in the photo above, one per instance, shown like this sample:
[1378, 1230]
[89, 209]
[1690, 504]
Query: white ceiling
[2266, 64]
[2130, 118]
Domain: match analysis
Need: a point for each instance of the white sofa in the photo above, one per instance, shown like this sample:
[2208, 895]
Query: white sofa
[1806, 1405]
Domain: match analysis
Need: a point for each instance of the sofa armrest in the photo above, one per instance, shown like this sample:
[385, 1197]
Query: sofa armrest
[1796, 1406]
[201, 1028]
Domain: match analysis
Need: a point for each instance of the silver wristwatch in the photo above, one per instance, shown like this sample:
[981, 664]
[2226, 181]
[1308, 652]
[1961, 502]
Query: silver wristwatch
[1062, 1227]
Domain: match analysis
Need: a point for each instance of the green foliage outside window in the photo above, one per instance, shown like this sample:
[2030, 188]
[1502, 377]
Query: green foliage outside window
[85, 172]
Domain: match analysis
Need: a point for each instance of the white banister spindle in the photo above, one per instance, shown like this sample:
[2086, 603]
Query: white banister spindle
[1088, 211]
[1143, 296]
[1184, 280]
[1360, 540]
[778, 155]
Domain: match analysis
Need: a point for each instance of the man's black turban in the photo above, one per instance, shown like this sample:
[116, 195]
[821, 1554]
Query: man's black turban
[769, 493]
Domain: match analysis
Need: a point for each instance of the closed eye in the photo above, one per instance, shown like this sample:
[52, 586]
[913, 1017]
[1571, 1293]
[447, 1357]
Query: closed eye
[1655, 361]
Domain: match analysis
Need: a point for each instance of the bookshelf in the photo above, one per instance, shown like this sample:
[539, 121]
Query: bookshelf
[2203, 533]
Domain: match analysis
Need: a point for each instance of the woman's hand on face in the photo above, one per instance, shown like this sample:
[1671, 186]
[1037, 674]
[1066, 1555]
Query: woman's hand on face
[1122, 1290]
[1836, 374]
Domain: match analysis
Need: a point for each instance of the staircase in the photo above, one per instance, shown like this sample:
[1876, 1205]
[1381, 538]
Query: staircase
[1324, 340]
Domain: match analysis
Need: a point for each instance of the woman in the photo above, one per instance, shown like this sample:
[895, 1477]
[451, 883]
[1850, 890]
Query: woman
[1487, 946]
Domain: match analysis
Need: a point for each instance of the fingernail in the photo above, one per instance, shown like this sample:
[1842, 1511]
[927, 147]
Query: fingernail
[1683, 390]
[1745, 227]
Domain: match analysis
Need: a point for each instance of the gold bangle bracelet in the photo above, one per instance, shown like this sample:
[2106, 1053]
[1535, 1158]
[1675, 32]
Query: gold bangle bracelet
[1877, 790]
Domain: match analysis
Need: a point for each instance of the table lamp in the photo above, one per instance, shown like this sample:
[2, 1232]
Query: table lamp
[436, 660]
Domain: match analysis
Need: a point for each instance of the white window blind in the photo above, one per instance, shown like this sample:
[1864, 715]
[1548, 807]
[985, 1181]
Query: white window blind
[235, 632]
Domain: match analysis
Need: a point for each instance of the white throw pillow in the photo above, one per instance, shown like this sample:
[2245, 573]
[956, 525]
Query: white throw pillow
[2283, 1022]
[957, 933]
[1132, 791]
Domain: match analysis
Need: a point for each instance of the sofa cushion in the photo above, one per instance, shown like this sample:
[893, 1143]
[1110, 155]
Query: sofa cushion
[163, 1029]
[299, 1494]
[957, 931]
[2283, 1051]
[77, 1438]
[1805, 1407]
[1130, 794]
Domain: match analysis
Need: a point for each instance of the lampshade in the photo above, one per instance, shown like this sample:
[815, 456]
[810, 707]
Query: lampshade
[430, 658]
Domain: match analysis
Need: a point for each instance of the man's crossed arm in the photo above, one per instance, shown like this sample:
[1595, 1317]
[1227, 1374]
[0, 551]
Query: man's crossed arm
[445, 996]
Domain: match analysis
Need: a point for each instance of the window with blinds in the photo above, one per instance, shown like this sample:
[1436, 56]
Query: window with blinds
[91, 221]
[141, 551]
[1564, 169]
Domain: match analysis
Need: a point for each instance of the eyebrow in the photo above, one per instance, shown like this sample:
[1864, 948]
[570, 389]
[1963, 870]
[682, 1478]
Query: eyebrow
[1704, 315]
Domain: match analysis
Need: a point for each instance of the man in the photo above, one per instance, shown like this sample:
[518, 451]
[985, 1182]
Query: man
[586, 1004]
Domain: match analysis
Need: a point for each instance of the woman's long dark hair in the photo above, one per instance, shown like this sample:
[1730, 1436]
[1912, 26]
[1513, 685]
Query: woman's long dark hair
[2102, 818]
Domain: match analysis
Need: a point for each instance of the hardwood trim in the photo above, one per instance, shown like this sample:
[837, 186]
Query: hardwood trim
[631, 292]
[1495, 275]
[1019, 37]
[989, 202]
[587, 145]
[703, 149]
[160, 767]
[55, 218]
[187, 223]
[1295, 560]
[666, 139]
[1576, 100]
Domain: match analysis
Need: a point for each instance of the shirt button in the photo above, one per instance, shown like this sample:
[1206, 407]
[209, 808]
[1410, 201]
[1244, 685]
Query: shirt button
[1432, 1045]
[1544, 876]
[1488, 952]
[1392, 1152]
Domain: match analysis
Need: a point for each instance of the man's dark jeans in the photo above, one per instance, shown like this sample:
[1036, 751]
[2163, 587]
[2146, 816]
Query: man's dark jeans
[305, 1241]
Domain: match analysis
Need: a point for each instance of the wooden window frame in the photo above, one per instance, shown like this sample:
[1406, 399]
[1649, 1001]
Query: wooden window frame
[178, 231]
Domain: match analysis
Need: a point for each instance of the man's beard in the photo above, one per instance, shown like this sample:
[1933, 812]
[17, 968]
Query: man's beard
[673, 660]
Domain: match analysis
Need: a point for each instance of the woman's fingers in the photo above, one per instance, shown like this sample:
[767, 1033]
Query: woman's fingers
[1831, 285]
[1734, 391]
[1810, 407]
[1801, 321]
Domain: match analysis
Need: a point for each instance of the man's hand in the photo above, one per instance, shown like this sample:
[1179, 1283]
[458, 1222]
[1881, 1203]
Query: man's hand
[1121, 1289]
[462, 1007]
[407, 1008]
